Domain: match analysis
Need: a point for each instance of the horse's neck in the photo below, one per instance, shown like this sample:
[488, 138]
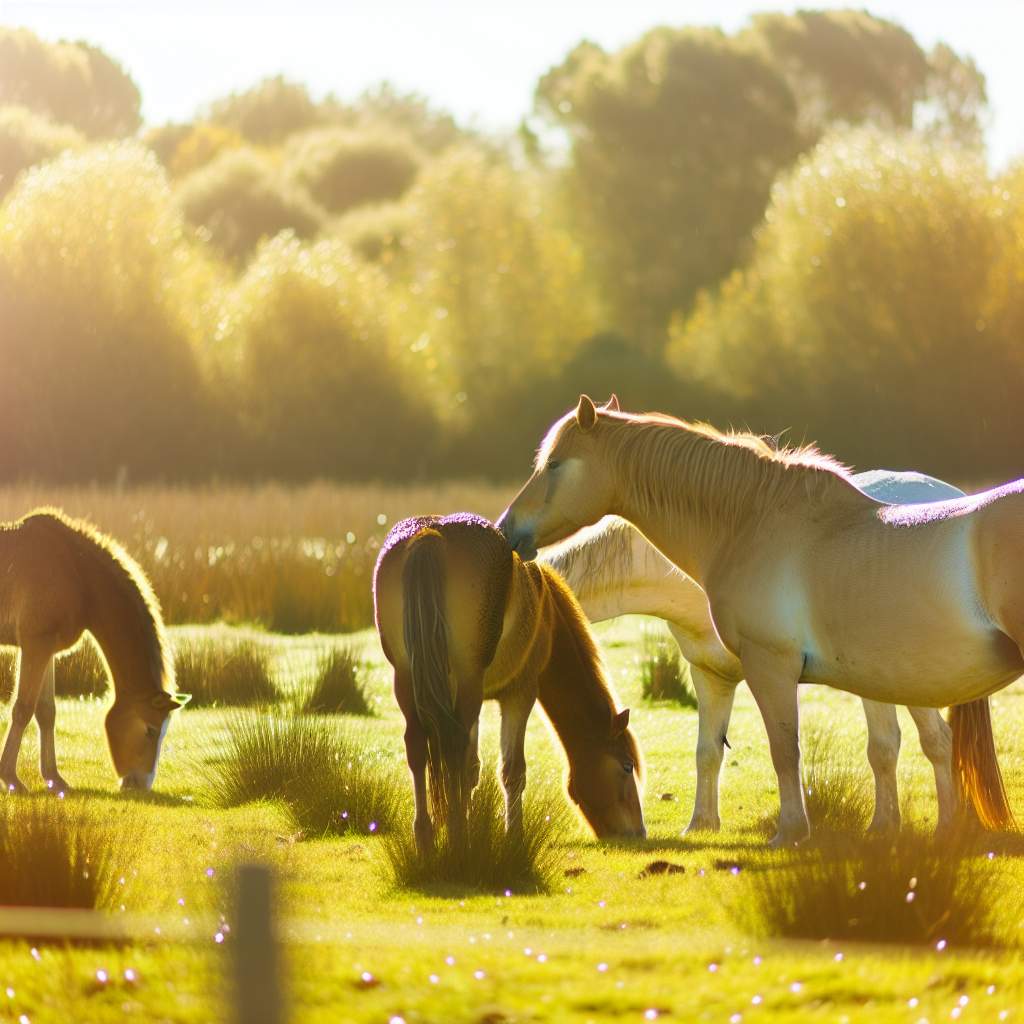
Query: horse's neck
[572, 694]
[123, 637]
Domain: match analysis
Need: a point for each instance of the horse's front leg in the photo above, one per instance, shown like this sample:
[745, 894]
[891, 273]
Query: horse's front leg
[46, 717]
[36, 653]
[714, 708]
[515, 713]
[772, 677]
[883, 753]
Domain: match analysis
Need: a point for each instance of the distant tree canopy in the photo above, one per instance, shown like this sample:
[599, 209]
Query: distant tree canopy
[28, 138]
[268, 112]
[73, 83]
[676, 138]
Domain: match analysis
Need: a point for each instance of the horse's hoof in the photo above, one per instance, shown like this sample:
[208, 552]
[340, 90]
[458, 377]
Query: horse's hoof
[702, 825]
[14, 785]
[57, 785]
[786, 841]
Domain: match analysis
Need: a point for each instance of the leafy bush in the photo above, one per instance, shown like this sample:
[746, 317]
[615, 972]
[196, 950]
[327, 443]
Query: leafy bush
[268, 112]
[324, 379]
[663, 673]
[873, 276]
[376, 233]
[201, 143]
[219, 672]
[28, 138]
[74, 83]
[343, 169]
[488, 859]
[240, 197]
[336, 688]
[100, 298]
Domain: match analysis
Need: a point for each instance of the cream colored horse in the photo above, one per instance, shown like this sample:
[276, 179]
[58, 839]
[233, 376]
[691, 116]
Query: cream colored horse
[613, 570]
[58, 577]
[807, 578]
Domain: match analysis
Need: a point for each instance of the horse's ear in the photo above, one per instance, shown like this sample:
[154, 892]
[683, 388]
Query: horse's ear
[620, 723]
[163, 701]
[612, 405]
[181, 699]
[586, 414]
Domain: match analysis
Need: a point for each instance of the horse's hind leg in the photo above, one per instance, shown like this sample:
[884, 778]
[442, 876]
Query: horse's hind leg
[35, 654]
[714, 708]
[883, 752]
[937, 744]
[46, 716]
[416, 757]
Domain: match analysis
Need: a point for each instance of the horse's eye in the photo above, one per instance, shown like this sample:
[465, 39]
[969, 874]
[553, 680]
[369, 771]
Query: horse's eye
[627, 767]
[151, 731]
[553, 464]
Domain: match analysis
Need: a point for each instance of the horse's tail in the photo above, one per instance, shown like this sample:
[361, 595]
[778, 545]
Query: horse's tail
[975, 767]
[425, 632]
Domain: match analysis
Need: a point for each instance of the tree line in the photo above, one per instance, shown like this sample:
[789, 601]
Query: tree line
[792, 226]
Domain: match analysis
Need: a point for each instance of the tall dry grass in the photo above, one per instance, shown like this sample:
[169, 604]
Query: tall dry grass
[293, 559]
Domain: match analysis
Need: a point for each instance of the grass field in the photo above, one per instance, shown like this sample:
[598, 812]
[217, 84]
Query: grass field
[610, 943]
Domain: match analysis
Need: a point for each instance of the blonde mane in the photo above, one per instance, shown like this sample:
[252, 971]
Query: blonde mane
[725, 476]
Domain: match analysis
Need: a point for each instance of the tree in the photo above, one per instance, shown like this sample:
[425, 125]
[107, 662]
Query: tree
[675, 141]
[74, 83]
[268, 112]
[28, 138]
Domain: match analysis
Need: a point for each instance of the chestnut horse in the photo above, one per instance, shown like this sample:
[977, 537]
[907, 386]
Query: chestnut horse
[462, 619]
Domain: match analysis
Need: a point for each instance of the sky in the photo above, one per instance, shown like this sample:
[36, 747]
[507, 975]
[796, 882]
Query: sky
[479, 59]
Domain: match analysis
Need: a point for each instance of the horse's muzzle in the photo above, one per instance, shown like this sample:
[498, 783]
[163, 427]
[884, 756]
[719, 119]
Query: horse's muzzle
[521, 541]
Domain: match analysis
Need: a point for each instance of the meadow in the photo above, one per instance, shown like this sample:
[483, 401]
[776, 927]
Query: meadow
[685, 928]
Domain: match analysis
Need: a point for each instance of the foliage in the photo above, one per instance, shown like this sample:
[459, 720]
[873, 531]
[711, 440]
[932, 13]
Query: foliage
[377, 233]
[873, 278]
[202, 143]
[343, 169]
[487, 858]
[835, 791]
[663, 673]
[268, 112]
[100, 298]
[224, 674]
[336, 688]
[321, 371]
[675, 141]
[240, 197]
[74, 83]
[28, 138]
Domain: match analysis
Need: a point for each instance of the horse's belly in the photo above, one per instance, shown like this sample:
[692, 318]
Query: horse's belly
[925, 668]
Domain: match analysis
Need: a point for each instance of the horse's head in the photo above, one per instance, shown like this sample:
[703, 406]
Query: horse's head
[135, 732]
[571, 485]
[605, 784]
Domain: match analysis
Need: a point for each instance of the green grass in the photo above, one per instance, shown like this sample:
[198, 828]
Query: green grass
[81, 672]
[336, 687]
[676, 943]
[663, 673]
[224, 672]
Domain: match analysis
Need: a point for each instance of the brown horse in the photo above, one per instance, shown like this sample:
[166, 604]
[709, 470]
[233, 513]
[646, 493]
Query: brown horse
[58, 578]
[462, 619]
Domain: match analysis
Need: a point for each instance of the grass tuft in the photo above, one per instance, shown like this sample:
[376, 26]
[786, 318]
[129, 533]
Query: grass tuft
[331, 782]
[914, 890]
[57, 853]
[663, 673]
[838, 796]
[488, 859]
[219, 672]
[336, 688]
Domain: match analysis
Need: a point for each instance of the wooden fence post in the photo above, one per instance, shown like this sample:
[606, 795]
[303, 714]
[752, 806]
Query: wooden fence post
[258, 995]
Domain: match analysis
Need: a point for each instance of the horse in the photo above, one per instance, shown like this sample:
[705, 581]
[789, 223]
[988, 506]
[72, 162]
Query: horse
[461, 618]
[613, 570]
[58, 578]
[807, 578]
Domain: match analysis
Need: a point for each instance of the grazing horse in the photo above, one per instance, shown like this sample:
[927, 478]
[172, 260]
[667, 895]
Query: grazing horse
[462, 619]
[613, 570]
[807, 578]
[59, 577]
